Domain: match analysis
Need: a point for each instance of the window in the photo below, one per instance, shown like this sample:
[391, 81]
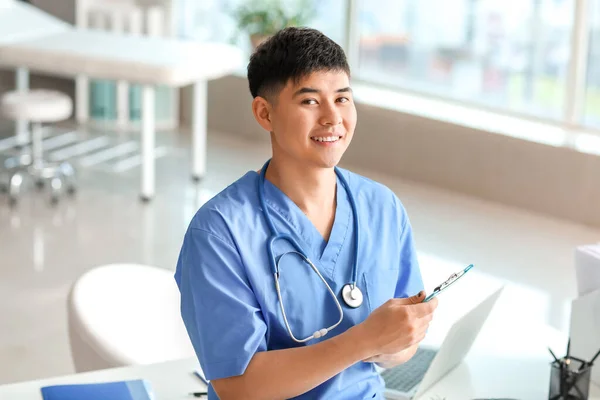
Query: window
[505, 54]
[212, 20]
[592, 101]
[207, 20]
[330, 18]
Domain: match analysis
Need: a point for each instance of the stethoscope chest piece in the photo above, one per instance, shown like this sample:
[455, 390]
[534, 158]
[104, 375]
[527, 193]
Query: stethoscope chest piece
[352, 295]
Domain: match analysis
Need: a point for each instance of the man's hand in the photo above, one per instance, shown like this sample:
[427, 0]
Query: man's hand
[394, 330]
[393, 360]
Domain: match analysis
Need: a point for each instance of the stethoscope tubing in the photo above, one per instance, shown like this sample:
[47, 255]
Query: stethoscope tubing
[275, 235]
[274, 264]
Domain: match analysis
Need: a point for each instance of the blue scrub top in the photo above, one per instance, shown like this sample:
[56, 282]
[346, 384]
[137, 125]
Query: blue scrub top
[228, 300]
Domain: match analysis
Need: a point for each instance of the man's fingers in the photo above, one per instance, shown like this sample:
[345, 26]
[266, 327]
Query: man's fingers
[424, 322]
[423, 309]
[433, 302]
[416, 299]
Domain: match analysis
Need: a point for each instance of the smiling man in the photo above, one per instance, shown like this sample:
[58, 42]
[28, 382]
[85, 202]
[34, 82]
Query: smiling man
[296, 279]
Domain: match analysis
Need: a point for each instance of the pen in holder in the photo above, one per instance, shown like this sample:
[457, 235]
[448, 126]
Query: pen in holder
[569, 379]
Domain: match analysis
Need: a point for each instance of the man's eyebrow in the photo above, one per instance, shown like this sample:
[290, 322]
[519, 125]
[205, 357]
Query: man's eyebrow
[303, 90]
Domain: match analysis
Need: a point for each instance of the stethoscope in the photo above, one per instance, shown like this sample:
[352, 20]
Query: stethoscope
[351, 294]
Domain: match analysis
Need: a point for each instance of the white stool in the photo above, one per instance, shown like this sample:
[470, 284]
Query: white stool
[126, 314]
[39, 106]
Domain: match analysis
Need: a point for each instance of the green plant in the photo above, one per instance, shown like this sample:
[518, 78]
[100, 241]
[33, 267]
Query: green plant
[265, 17]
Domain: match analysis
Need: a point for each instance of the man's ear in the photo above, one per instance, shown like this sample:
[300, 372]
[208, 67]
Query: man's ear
[262, 109]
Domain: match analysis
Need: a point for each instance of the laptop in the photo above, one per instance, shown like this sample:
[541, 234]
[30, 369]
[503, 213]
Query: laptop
[429, 365]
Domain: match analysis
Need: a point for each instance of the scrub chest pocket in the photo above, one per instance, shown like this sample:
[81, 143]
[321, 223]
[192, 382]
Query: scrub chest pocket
[380, 286]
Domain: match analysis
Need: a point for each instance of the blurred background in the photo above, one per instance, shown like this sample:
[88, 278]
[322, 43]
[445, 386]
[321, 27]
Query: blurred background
[506, 55]
[482, 115]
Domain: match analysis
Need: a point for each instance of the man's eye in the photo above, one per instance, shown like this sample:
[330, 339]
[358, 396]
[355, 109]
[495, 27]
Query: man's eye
[343, 99]
[309, 101]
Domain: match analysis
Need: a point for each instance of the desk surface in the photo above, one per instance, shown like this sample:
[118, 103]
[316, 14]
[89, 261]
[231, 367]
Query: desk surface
[478, 377]
[516, 366]
[516, 371]
[171, 380]
[137, 59]
[509, 357]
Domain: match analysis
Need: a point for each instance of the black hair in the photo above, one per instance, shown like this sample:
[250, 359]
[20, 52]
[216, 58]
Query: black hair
[292, 53]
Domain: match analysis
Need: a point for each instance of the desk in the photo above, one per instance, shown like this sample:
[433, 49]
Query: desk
[171, 380]
[524, 376]
[147, 61]
[509, 358]
[505, 363]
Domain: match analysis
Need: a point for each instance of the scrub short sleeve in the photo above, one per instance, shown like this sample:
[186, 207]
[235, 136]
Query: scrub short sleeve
[409, 279]
[218, 307]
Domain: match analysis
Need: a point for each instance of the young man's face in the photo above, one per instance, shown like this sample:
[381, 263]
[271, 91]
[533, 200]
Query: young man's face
[313, 121]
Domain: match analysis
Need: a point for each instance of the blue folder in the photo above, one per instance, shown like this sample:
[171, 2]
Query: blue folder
[125, 390]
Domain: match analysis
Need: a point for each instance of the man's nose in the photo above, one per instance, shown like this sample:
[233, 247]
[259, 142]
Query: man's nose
[331, 116]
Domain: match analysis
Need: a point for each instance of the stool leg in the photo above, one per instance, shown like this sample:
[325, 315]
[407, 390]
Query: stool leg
[56, 184]
[37, 159]
[68, 172]
[4, 177]
[14, 187]
[17, 161]
[36, 145]
[11, 165]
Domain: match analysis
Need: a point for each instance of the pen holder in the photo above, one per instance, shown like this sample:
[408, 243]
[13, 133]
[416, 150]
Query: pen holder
[569, 381]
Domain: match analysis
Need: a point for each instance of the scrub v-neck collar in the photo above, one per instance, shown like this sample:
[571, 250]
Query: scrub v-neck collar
[326, 252]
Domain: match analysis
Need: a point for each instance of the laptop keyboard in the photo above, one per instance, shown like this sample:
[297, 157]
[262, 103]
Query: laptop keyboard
[406, 376]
